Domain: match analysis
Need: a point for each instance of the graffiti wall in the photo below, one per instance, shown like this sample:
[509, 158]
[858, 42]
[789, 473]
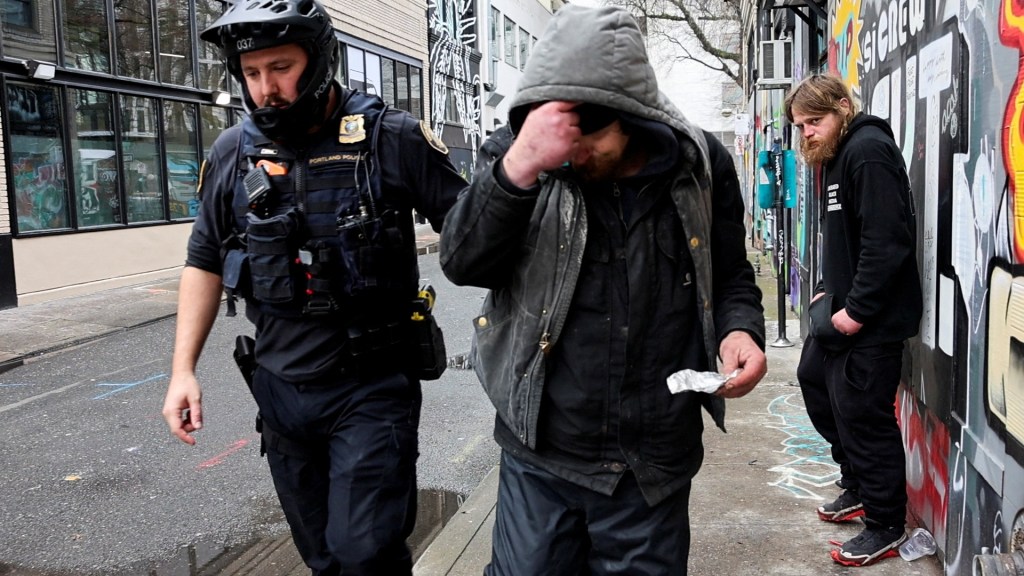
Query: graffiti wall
[947, 75]
[455, 80]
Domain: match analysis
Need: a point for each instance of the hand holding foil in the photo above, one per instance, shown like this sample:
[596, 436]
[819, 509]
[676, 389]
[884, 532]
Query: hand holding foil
[694, 381]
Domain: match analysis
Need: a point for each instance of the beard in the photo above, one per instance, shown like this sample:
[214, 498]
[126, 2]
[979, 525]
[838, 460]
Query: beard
[820, 151]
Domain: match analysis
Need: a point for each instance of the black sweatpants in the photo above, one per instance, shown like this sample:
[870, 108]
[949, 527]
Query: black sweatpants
[547, 526]
[351, 500]
[851, 400]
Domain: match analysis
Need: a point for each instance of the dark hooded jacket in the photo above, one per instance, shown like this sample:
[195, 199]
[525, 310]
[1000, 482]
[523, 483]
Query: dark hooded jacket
[869, 262]
[528, 248]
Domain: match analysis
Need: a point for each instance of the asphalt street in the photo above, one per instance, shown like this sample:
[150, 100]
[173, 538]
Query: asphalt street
[92, 482]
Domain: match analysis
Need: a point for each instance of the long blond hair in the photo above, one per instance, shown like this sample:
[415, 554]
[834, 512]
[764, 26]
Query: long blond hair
[820, 94]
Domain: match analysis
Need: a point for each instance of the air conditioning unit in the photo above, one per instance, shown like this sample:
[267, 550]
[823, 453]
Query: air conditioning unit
[776, 62]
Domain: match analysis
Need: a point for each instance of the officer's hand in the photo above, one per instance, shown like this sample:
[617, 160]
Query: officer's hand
[846, 325]
[548, 139]
[183, 407]
[739, 351]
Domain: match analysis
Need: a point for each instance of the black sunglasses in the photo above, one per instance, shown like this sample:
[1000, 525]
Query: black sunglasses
[594, 117]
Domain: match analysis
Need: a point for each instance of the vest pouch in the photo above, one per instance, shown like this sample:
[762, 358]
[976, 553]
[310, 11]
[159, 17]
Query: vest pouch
[365, 252]
[272, 245]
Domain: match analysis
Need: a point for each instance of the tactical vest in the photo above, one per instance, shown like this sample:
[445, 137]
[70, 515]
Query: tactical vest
[317, 236]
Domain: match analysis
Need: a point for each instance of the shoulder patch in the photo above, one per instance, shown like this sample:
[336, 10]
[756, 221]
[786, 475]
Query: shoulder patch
[199, 184]
[433, 140]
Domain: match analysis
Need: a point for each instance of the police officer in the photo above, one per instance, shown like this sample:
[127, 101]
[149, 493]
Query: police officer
[307, 214]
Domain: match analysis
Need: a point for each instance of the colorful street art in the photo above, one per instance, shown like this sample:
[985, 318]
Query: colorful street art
[948, 75]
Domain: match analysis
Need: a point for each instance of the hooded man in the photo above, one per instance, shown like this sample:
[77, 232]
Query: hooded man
[867, 303]
[609, 231]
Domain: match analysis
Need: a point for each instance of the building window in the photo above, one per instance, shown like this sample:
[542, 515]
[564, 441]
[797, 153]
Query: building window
[495, 32]
[213, 75]
[373, 80]
[524, 48]
[133, 40]
[510, 42]
[387, 80]
[174, 24]
[36, 157]
[94, 159]
[415, 93]
[181, 139]
[140, 155]
[402, 83]
[28, 30]
[356, 69]
[19, 13]
[86, 37]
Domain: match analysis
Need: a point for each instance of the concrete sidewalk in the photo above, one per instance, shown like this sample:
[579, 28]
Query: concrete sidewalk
[753, 503]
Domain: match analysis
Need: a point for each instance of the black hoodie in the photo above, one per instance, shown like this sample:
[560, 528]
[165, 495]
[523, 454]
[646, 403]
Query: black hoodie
[869, 261]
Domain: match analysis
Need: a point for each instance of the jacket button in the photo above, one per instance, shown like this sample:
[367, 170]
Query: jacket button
[694, 242]
[617, 467]
[481, 322]
[707, 304]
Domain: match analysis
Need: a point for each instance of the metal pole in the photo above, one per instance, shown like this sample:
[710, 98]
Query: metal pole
[780, 245]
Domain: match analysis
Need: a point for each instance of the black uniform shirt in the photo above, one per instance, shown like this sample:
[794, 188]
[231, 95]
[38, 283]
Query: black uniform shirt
[415, 173]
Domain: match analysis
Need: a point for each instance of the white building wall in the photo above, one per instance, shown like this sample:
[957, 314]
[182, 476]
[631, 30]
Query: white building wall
[530, 15]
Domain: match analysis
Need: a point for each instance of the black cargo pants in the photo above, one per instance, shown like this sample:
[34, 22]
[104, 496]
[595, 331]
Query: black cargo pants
[350, 494]
[850, 398]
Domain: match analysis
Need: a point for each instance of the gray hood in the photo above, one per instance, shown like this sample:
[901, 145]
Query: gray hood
[595, 55]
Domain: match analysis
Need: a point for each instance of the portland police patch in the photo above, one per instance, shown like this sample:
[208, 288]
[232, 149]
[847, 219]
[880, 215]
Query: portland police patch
[433, 140]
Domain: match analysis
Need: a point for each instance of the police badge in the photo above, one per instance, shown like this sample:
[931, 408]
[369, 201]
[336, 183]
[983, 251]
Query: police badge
[351, 130]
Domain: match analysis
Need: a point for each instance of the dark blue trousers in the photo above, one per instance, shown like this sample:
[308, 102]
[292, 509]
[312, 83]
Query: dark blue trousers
[351, 499]
[850, 397]
[546, 526]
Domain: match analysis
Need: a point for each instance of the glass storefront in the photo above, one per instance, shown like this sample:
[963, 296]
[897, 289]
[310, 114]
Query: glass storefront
[94, 159]
[35, 129]
[118, 137]
[181, 136]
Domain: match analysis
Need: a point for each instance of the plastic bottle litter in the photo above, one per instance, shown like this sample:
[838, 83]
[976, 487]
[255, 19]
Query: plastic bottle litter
[919, 544]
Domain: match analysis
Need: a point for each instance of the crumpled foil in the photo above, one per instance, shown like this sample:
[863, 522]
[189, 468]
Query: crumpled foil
[694, 381]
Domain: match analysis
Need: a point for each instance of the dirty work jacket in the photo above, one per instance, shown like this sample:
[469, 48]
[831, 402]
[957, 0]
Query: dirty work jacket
[528, 249]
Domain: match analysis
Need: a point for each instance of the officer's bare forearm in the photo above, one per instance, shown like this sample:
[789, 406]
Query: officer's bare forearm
[198, 301]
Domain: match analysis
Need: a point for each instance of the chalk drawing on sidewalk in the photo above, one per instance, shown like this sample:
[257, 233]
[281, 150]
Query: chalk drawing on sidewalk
[811, 466]
[122, 386]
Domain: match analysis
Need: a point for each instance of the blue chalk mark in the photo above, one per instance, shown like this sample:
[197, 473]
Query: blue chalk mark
[811, 465]
[122, 386]
[15, 385]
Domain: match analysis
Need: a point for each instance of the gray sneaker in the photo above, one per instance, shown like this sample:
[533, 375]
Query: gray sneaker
[847, 507]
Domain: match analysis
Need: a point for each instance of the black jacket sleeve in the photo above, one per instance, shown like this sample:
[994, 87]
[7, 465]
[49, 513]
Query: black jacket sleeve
[483, 233]
[426, 173]
[736, 295]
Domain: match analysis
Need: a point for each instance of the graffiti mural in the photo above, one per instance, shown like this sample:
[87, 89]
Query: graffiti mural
[455, 99]
[947, 75]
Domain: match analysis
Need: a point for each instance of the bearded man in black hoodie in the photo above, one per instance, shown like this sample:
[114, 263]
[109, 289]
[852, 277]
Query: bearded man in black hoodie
[866, 304]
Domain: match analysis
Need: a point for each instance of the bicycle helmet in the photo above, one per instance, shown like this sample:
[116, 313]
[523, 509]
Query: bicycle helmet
[250, 25]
